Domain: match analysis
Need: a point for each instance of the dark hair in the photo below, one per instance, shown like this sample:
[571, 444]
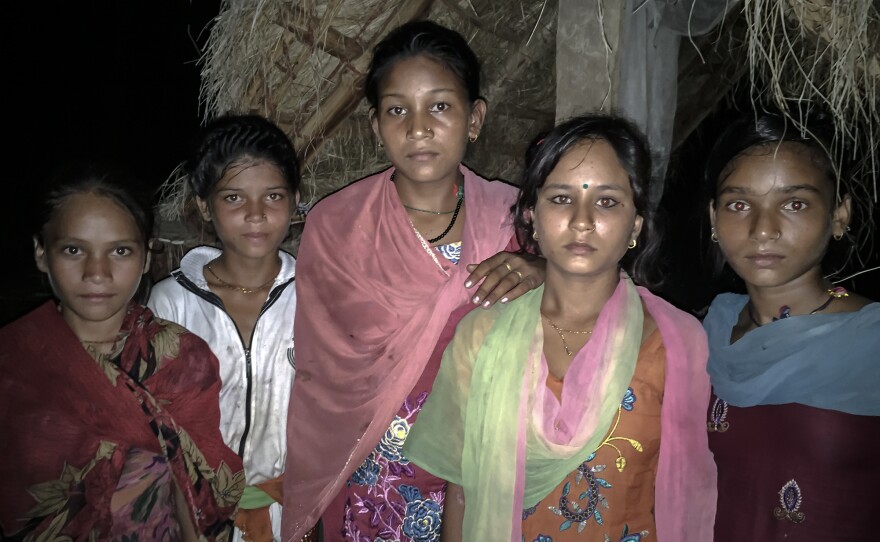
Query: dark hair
[231, 140]
[429, 39]
[768, 128]
[756, 129]
[632, 152]
[106, 181]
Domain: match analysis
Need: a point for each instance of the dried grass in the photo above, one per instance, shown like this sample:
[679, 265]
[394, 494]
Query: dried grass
[806, 54]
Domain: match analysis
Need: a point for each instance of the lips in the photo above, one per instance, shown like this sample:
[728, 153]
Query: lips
[256, 236]
[581, 249]
[422, 156]
[97, 297]
[765, 259]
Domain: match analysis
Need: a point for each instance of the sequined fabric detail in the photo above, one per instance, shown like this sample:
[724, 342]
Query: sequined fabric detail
[790, 498]
[718, 417]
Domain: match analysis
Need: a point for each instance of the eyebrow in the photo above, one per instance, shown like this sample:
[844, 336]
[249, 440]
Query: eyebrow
[432, 91]
[561, 186]
[279, 187]
[784, 190]
[86, 241]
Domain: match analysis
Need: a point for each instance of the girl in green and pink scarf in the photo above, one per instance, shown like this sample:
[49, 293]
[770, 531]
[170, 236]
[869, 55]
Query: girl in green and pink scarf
[596, 432]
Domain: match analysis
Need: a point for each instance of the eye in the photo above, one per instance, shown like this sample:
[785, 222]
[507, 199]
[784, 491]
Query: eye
[607, 202]
[440, 107]
[232, 198]
[795, 205]
[123, 251]
[275, 196]
[560, 199]
[396, 111]
[738, 206]
[70, 250]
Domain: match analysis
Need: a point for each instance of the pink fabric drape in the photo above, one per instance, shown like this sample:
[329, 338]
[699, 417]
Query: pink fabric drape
[372, 304]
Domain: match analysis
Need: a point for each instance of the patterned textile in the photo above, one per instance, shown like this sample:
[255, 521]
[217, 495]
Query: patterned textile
[388, 497]
[610, 497]
[491, 426]
[379, 301]
[795, 472]
[79, 432]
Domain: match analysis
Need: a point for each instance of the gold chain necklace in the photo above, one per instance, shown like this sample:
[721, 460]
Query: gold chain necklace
[243, 289]
[561, 331]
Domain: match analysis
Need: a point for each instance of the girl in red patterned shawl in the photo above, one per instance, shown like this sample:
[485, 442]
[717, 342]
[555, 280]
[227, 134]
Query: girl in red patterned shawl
[109, 415]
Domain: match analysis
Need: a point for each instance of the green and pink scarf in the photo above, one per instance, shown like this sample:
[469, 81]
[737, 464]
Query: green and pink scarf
[489, 424]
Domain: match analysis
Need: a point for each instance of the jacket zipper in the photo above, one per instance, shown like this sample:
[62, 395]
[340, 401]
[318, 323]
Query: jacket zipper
[214, 299]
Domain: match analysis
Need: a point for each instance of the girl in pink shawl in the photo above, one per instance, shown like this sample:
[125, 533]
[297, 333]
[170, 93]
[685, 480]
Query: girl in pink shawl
[574, 413]
[381, 290]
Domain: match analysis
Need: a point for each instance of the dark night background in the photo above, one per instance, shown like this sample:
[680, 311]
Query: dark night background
[111, 81]
[119, 81]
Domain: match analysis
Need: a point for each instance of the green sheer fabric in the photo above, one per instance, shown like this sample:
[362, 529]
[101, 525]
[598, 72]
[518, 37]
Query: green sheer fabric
[487, 396]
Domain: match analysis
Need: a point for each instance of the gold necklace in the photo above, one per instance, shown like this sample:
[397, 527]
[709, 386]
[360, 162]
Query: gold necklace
[243, 289]
[561, 331]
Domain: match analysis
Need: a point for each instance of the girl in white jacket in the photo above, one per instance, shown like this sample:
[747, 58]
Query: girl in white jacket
[241, 299]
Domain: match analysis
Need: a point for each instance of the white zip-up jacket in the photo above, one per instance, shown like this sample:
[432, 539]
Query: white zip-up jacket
[256, 381]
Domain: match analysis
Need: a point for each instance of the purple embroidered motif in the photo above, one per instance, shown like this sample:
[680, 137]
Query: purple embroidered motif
[717, 418]
[790, 499]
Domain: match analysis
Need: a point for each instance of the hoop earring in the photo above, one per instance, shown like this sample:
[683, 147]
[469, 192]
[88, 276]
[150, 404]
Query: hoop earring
[535, 235]
[838, 237]
[473, 139]
[714, 235]
[632, 244]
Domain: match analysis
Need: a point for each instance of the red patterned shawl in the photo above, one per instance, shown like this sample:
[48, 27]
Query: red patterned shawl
[67, 423]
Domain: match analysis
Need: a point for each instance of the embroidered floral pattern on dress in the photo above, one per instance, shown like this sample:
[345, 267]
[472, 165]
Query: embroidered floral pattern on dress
[627, 537]
[790, 499]
[718, 416]
[396, 511]
[423, 516]
[590, 502]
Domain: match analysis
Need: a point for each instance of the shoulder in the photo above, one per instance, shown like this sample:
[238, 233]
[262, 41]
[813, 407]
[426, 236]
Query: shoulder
[347, 196]
[663, 311]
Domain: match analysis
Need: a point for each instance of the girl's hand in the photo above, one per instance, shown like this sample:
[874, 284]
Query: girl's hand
[505, 276]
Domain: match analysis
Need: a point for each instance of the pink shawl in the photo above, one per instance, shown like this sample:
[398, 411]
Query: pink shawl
[373, 304]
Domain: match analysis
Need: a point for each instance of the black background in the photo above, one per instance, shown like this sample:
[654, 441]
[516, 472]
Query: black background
[110, 81]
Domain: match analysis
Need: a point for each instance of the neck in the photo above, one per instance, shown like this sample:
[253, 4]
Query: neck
[434, 196]
[801, 296]
[247, 271]
[577, 300]
[87, 331]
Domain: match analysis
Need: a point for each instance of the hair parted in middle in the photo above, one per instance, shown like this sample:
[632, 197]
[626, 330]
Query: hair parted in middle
[632, 151]
[424, 38]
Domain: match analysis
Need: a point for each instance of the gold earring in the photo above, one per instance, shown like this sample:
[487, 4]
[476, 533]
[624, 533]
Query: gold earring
[632, 244]
[535, 235]
[714, 235]
[473, 139]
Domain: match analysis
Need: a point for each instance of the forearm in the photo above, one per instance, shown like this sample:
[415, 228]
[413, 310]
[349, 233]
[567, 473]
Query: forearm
[453, 514]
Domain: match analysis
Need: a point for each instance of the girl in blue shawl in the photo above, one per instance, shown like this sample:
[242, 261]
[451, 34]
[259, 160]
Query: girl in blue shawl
[793, 363]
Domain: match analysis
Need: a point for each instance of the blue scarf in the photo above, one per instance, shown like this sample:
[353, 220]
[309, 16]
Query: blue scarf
[829, 361]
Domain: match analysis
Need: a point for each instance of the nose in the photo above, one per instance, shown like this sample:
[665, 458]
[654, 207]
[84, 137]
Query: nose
[582, 220]
[420, 125]
[255, 212]
[97, 269]
[765, 226]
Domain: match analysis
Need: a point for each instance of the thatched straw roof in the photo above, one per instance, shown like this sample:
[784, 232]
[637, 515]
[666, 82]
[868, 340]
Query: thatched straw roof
[302, 65]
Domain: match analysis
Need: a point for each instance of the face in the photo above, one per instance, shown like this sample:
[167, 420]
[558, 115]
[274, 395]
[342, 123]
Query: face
[585, 215]
[250, 208]
[424, 119]
[94, 256]
[774, 215]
